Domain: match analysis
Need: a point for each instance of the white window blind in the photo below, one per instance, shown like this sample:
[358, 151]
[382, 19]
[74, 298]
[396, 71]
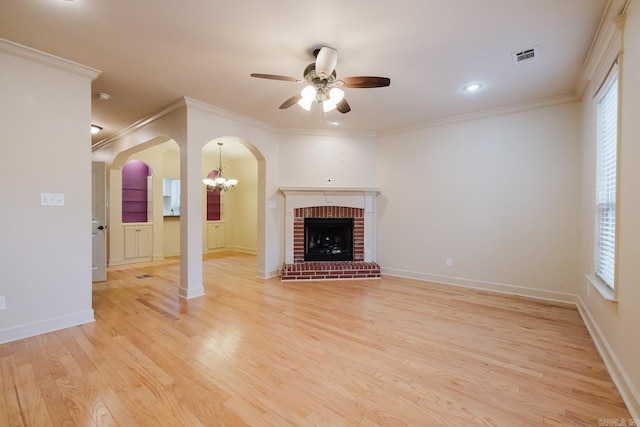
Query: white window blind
[606, 152]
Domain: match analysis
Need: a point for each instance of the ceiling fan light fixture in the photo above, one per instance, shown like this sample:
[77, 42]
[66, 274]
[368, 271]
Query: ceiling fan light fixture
[323, 85]
[328, 105]
[336, 95]
[308, 93]
[305, 104]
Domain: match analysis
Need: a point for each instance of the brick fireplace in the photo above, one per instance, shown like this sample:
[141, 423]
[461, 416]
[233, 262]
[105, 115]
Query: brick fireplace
[353, 203]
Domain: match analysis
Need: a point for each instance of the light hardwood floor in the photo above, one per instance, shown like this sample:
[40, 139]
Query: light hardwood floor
[260, 352]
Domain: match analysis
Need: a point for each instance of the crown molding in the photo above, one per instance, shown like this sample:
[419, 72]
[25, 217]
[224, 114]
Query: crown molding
[138, 125]
[609, 29]
[325, 132]
[220, 112]
[563, 99]
[184, 102]
[44, 58]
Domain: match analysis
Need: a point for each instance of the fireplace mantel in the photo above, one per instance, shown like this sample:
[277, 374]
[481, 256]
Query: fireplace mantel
[300, 194]
[353, 197]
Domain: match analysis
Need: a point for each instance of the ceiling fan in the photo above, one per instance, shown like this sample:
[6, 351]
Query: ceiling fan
[322, 85]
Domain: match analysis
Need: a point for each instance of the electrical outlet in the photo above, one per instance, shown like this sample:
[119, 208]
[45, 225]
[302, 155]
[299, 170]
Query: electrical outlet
[449, 262]
[3, 303]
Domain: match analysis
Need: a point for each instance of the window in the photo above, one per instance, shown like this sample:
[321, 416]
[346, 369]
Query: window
[606, 173]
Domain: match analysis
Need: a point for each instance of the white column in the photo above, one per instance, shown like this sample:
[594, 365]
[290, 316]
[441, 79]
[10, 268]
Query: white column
[191, 284]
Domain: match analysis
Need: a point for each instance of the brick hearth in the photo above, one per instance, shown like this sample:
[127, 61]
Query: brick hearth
[330, 270]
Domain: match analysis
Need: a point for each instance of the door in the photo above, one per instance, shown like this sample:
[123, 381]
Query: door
[98, 221]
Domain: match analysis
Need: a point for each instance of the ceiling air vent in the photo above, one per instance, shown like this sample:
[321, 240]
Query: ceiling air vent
[526, 55]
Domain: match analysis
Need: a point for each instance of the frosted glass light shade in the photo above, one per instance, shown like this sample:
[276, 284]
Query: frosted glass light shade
[336, 95]
[305, 103]
[308, 93]
[328, 105]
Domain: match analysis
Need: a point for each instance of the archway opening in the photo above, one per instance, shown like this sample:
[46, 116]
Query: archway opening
[231, 217]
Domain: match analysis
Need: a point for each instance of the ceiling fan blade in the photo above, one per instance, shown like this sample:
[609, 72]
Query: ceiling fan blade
[291, 101]
[275, 77]
[343, 106]
[326, 61]
[365, 81]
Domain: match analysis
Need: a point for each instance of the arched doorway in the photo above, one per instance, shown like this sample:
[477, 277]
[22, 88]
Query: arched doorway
[231, 217]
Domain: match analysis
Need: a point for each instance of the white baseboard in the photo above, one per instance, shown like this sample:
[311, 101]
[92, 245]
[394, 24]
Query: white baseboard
[618, 374]
[45, 326]
[189, 293]
[483, 285]
[262, 274]
[248, 251]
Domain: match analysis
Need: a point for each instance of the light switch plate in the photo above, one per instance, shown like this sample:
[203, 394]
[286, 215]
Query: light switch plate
[51, 199]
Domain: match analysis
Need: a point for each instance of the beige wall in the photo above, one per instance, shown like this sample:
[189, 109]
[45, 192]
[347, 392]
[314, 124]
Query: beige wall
[171, 225]
[497, 195]
[242, 210]
[45, 255]
[616, 326]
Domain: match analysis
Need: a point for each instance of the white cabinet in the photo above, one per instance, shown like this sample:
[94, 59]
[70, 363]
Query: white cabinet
[215, 235]
[138, 241]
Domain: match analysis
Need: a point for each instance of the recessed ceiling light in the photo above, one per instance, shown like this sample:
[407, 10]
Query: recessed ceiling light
[95, 129]
[471, 87]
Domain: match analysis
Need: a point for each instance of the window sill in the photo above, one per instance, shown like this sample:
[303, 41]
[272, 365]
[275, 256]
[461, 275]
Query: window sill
[605, 291]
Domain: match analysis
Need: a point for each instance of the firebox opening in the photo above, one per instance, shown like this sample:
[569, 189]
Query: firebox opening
[328, 239]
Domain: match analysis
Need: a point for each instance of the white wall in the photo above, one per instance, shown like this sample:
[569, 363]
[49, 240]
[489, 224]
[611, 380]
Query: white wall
[307, 160]
[616, 326]
[497, 195]
[45, 255]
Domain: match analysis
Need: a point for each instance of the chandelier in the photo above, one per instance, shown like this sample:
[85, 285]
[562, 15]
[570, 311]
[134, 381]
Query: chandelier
[218, 181]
